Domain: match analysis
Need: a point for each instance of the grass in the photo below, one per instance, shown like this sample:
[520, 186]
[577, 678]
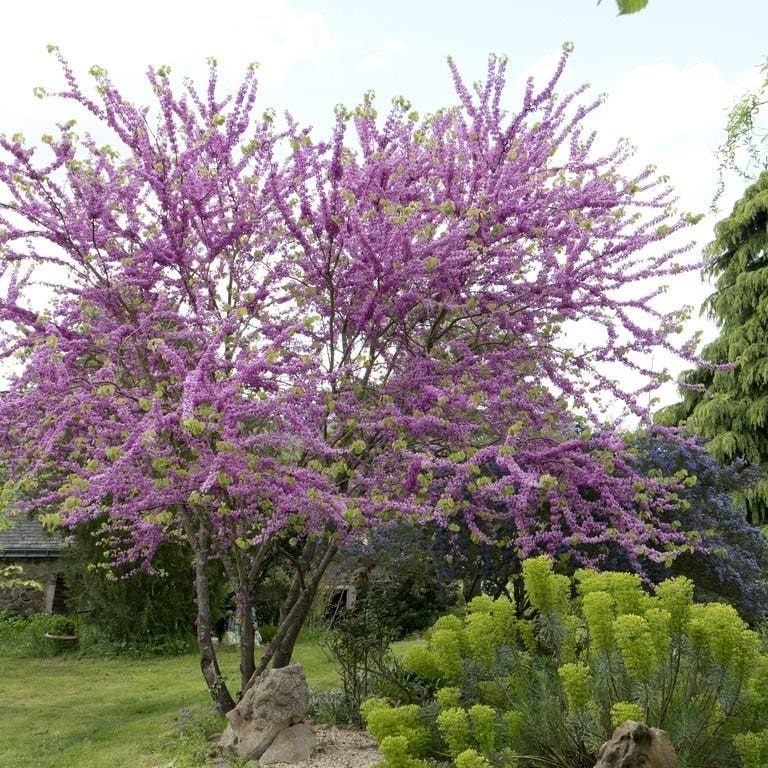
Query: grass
[70, 712]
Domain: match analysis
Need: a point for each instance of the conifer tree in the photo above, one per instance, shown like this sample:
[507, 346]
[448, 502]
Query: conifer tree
[726, 398]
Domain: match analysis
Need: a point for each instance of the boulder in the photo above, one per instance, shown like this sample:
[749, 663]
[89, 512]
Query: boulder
[635, 745]
[292, 745]
[277, 700]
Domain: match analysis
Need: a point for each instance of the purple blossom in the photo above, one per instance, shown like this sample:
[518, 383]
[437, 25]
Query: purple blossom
[257, 338]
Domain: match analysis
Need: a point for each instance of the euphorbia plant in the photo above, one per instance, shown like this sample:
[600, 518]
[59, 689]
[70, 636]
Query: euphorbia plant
[265, 342]
[599, 650]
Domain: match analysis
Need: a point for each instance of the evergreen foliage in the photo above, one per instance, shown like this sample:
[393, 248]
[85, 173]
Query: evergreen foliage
[130, 607]
[397, 591]
[726, 398]
[395, 573]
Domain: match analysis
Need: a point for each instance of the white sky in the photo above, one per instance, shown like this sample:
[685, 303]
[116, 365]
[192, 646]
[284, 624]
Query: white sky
[670, 72]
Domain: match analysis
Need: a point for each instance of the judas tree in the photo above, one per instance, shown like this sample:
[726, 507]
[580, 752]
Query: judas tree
[263, 342]
[466, 282]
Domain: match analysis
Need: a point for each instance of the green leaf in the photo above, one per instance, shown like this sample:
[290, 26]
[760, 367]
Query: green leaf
[630, 6]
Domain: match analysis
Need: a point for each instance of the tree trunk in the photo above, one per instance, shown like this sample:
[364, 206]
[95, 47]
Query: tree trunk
[247, 657]
[295, 611]
[243, 569]
[471, 585]
[209, 664]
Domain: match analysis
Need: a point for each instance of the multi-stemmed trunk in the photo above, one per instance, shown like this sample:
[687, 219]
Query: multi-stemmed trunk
[310, 568]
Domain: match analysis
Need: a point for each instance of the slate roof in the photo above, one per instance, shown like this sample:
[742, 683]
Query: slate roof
[28, 539]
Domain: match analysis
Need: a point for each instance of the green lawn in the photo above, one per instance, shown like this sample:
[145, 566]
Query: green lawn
[65, 712]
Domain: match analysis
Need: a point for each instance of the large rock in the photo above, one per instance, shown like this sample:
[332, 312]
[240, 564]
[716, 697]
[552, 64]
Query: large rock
[292, 745]
[278, 700]
[635, 745]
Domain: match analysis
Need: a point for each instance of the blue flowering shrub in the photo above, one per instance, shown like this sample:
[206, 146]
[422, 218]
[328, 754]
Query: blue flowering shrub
[735, 568]
[520, 693]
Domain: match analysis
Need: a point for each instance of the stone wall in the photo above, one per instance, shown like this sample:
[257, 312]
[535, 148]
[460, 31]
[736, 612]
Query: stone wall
[45, 571]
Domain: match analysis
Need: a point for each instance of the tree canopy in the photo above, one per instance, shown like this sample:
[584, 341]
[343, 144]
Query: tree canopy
[263, 342]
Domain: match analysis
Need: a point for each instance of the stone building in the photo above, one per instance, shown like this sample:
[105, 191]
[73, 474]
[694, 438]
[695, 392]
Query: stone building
[28, 545]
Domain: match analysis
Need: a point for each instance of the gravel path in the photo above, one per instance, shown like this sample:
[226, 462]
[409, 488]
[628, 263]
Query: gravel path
[340, 748]
[336, 748]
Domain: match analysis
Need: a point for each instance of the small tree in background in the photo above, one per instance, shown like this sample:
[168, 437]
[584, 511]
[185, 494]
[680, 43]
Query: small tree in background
[743, 150]
[397, 587]
[397, 567]
[262, 343]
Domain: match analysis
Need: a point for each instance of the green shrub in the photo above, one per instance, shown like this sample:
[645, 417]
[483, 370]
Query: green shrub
[752, 749]
[270, 594]
[195, 732]
[405, 724]
[523, 692]
[131, 610]
[333, 707]
[60, 636]
[397, 753]
[359, 640]
[61, 625]
[23, 635]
